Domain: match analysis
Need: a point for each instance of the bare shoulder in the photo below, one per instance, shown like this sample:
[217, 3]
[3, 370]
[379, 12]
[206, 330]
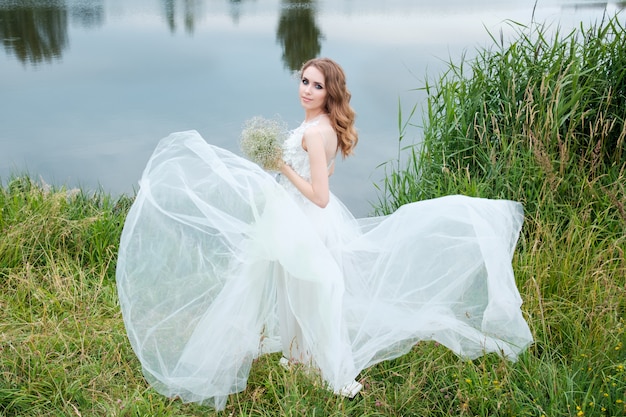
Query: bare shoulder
[321, 130]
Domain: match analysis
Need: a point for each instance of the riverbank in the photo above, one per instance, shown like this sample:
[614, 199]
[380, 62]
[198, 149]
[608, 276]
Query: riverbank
[540, 121]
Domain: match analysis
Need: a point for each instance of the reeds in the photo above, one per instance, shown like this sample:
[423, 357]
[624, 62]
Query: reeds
[530, 121]
[541, 121]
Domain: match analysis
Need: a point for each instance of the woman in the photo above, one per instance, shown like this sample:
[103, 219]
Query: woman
[328, 128]
[325, 99]
[220, 263]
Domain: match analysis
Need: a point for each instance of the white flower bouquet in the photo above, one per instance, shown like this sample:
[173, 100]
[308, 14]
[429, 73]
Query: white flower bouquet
[262, 141]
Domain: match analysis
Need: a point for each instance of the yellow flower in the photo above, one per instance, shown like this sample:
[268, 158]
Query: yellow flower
[618, 401]
[605, 394]
[469, 381]
[580, 413]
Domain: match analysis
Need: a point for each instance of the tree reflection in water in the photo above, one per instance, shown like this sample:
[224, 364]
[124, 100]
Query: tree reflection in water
[298, 33]
[37, 32]
[191, 9]
[34, 33]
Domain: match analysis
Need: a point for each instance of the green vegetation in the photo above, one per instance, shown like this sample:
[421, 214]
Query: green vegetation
[540, 121]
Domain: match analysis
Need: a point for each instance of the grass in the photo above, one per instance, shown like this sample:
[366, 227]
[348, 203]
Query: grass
[541, 121]
[538, 120]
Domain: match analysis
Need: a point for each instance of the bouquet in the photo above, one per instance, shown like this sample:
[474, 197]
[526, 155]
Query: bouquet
[262, 141]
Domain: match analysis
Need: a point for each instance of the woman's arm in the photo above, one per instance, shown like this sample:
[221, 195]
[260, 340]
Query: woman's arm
[318, 189]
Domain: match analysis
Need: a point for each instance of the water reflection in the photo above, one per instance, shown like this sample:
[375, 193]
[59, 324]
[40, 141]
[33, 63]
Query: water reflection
[88, 15]
[37, 32]
[298, 32]
[34, 33]
[235, 10]
[190, 9]
[608, 6]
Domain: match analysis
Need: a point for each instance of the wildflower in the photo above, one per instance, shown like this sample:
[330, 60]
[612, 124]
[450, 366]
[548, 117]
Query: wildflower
[618, 401]
[469, 381]
[262, 140]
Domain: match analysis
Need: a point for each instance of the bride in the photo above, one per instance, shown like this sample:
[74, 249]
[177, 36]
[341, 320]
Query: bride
[219, 263]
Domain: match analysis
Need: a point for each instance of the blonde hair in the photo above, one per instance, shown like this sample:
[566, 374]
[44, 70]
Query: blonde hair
[338, 107]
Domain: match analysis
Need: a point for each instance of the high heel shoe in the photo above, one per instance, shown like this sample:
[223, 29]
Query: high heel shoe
[284, 362]
[350, 390]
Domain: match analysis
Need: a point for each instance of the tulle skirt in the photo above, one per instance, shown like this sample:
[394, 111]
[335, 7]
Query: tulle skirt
[219, 263]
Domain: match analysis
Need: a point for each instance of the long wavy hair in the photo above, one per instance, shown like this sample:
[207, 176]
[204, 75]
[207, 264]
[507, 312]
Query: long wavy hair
[338, 107]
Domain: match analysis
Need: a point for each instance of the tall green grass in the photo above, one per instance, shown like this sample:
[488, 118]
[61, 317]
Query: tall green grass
[539, 120]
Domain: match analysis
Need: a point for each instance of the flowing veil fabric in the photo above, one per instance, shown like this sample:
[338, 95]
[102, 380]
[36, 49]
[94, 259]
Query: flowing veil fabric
[219, 262]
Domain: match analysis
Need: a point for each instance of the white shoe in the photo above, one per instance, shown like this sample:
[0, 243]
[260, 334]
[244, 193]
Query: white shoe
[284, 362]
[350, 390]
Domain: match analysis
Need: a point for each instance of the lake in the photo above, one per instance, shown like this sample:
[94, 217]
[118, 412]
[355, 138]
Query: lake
[88, 87]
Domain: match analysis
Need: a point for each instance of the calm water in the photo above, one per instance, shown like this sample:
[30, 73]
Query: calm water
[88, 87]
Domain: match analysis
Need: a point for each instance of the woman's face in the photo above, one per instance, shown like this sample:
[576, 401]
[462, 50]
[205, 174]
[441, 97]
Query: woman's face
[312, 90]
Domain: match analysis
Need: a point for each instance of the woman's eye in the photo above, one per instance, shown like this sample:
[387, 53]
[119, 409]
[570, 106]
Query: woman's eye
[305, 81]
[318, 86]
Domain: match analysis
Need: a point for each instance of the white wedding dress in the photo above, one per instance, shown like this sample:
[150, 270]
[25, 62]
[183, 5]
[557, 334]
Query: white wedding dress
[219, 263]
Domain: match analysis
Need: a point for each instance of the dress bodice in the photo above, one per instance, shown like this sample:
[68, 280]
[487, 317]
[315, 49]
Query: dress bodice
[296, 157]
[293, 153]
